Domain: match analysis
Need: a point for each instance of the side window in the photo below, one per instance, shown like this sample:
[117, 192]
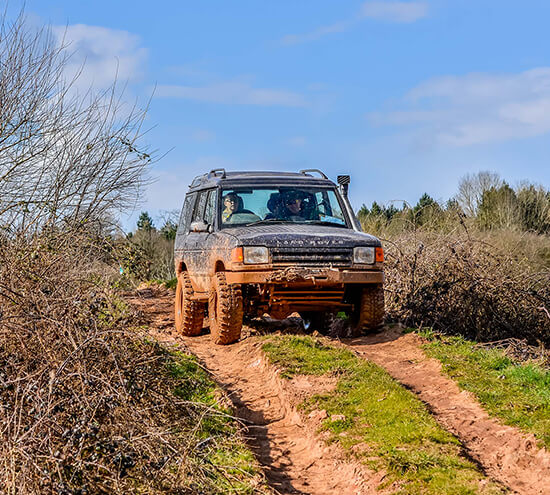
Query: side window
[323, 202]
[198, 213]
[210, 207]
[187, 210]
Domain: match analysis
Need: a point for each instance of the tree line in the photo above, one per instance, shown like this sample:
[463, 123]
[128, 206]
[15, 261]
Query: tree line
[484, 200]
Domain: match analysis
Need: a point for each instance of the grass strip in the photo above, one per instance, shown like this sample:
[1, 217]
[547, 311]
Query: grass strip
[518, 393]
[219, 449]
[384, 424]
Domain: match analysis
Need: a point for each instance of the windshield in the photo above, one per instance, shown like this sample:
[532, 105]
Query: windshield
[245, 206]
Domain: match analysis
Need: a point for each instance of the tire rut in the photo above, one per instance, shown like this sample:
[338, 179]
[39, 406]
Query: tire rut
[297, 461]
[505, 453]
[294, 458]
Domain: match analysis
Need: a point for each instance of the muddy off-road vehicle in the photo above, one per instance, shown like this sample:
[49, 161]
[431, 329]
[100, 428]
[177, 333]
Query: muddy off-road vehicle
[251, 243]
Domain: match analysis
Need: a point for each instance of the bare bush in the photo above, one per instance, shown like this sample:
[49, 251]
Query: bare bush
[86, 406]
[485, 276]
[481, 286]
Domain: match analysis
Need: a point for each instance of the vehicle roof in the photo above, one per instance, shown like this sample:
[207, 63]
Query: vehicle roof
[220, 177]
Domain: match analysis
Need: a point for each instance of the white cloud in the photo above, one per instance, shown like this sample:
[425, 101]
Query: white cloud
[476, 108]
[202, 135]
[233, 93]
[100, 55]
[294, 39]
[401, 12]
[297, 141]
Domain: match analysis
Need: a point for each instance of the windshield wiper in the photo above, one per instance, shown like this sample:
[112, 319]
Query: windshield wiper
[267, 220]
[327, 223]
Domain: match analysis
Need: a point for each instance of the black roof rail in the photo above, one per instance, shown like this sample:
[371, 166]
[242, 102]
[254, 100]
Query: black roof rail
[197, 181]
[307, 170]
[215, 171]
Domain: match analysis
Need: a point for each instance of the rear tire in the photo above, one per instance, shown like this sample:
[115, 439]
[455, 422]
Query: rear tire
[368, 315]
[225, 310]
[189, 314]
[317, 320]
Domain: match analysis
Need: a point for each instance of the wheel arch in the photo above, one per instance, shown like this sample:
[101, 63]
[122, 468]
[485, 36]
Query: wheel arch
[180, 267]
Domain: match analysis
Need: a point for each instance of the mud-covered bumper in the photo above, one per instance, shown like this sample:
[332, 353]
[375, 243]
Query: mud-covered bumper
[298, 275]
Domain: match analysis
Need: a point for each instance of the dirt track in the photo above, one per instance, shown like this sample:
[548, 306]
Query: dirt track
[297, 461]
[506, 454]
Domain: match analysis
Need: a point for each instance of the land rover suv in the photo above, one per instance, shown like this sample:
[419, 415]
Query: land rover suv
[251, 243]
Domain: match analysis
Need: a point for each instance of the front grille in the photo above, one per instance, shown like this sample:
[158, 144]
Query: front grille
[311, 256]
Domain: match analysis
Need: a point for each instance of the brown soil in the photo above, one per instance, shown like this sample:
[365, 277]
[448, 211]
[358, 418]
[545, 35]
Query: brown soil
[297, 461]
[506, 454]
[294, 458]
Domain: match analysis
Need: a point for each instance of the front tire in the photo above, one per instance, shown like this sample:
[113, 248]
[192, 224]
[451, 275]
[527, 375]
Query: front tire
[225, 310]
[368, 315]
[189, 314]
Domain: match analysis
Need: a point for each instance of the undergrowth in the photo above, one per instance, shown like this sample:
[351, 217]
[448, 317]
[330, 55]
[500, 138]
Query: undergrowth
[88, 405]
[484, 286]
[519, 393]
[380, 421]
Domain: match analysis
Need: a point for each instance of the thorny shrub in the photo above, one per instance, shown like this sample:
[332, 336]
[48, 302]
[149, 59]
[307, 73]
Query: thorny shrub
[483, 287]
[85, 405]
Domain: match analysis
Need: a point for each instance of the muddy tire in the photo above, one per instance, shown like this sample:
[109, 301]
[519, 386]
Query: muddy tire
[225, 310]
[189, 314]
[320, 321]
[369, 312]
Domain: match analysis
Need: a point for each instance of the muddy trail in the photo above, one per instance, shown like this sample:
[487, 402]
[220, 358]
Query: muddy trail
[296, 460]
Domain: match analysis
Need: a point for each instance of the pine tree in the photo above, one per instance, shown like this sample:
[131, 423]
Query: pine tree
[145, 222]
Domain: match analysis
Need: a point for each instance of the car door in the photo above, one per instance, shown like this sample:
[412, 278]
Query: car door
[199, 247]
[181, 246]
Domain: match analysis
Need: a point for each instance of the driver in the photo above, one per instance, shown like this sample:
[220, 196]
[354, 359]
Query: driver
[293, 206]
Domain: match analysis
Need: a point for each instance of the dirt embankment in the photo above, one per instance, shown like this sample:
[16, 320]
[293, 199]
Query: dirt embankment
[296, 460]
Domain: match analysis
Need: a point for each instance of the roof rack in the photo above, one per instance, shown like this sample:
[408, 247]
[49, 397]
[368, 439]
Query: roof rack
[308, 170]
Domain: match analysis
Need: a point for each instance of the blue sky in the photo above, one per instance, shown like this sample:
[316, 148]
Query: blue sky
[406, 96]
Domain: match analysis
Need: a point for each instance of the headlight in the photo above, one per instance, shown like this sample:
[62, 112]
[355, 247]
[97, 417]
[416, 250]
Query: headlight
[255, 254]
[364, 255]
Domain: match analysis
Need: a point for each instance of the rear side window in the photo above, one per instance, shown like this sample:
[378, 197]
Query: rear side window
[198, 213]
[210, 207]
[187, 210]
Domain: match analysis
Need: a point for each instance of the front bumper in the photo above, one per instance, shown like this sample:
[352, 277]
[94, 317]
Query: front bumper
[306, 276]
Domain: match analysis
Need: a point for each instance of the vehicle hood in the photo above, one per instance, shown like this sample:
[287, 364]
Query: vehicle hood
[300, 235]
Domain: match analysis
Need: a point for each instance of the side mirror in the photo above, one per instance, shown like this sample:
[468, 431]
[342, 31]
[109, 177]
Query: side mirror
[200, 226]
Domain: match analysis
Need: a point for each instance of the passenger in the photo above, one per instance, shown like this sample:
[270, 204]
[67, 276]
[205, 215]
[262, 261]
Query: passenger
[274, 207]
[231, 203]
[234, 211]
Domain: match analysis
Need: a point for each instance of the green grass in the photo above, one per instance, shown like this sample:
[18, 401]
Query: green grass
[385, 425]
[519, 393]
[169, 284]
[221, 450]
